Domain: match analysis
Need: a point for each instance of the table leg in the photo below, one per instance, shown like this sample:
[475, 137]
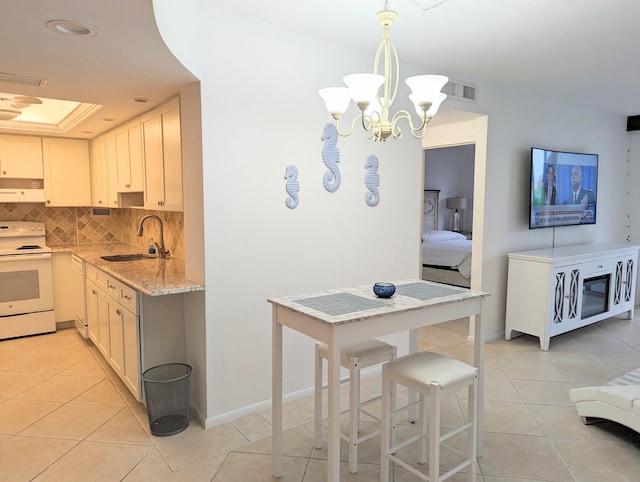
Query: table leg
[478, 362]
[333, 422]
[413, 396]
[276, 394]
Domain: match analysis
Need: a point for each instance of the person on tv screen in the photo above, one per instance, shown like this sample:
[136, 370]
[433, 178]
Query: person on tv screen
[578, 194]
[549, 186]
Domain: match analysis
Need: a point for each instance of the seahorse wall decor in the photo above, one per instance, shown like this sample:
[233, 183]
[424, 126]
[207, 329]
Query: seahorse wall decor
[372, 181]
[331, 158]
[292, 186]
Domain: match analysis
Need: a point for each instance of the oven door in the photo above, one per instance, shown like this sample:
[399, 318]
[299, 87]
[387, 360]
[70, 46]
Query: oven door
[26, 284]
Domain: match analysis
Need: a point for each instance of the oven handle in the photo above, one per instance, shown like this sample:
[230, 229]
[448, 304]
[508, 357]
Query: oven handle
[25, 257]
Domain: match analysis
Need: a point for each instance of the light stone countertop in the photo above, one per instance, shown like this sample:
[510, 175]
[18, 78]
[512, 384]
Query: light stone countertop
[345, 305]
[152, 277]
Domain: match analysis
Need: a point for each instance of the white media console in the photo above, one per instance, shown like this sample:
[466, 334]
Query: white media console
[552, 291]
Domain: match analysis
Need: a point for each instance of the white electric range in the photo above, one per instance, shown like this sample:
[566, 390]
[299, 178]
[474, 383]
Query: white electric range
[26, 282]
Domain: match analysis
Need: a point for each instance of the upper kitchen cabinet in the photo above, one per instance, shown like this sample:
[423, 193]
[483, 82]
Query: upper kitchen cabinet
[66, 172]
[99, 173]
[129, 164]
[21, 157]
[162, 157]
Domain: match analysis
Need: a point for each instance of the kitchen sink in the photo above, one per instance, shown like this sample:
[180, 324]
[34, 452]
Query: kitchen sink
[126, 257]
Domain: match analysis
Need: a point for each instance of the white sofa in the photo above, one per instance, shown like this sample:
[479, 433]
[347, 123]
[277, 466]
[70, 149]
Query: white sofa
[619, 401]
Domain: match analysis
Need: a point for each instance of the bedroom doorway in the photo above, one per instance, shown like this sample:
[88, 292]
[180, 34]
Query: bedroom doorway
[452, 128]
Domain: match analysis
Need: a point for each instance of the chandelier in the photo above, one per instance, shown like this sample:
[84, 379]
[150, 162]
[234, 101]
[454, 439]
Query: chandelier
[374, 105]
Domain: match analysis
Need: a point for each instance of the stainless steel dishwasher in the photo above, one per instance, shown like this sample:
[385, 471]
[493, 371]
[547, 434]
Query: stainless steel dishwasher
[79, 300]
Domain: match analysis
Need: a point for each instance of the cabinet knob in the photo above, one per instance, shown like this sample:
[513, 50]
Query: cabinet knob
[118, 312]
[4, 172]
[48, 201]
[127, 297]
[93, 292]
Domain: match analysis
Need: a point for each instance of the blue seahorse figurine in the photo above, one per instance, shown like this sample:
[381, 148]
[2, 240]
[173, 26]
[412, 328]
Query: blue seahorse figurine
[331, 158]
[292, 186]
[372, 180]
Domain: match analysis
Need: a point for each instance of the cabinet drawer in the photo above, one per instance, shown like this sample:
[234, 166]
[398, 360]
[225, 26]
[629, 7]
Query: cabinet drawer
[92, 273]
[128, 298]
[597, 267]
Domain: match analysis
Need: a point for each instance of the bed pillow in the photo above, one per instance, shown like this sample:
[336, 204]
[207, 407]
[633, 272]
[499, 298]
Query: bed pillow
[440, 235]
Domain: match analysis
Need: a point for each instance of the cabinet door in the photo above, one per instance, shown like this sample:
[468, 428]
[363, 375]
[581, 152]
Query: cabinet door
[116, 340]
[66, 172]
[98, 173]
[566, 295]
[131, 368]
[624, 283]
[153, 165]
[172, 152]
[112, 170]
[162, 157]
[21, 157]
[129, 155]
[97, 317]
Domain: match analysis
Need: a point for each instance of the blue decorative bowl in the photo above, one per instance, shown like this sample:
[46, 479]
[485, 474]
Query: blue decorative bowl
[384, 290]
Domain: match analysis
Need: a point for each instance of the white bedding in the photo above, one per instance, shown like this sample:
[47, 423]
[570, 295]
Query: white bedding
[452, 253]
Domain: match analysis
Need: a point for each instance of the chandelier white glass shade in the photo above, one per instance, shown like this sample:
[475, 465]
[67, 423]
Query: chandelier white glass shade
[374, 105]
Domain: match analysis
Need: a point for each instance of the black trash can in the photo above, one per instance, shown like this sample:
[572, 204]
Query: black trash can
[167, 390]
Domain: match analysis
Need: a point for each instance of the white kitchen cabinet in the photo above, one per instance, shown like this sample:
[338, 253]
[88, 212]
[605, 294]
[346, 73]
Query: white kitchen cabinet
[111, 166]
[67, 177]
[556, 290]
[97, 317]
[21, 157]
[62, 279]
[161, 138]
[98, 173]
[129, 162]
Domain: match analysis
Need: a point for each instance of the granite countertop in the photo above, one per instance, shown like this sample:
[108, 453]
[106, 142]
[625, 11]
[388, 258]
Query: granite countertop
[354, 303]
[152, 277]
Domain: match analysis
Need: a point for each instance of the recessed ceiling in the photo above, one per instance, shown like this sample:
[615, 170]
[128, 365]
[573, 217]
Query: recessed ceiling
[50, 116]
[127, 60]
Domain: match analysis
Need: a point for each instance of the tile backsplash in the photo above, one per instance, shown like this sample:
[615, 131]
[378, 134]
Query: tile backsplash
[84, 226]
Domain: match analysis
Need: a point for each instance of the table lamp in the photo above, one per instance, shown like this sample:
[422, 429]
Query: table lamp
[456, 203]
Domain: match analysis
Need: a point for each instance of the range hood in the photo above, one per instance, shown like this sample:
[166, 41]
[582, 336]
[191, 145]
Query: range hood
[11, 195]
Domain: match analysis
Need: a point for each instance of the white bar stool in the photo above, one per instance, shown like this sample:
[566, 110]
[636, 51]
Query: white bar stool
[432, 376]
[354, 357]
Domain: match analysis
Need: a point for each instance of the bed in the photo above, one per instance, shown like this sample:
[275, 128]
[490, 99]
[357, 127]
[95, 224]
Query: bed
[446, 258]
[446, 255]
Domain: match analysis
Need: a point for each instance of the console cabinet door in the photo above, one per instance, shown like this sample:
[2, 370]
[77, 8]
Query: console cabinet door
[566, 298]
[624, 278]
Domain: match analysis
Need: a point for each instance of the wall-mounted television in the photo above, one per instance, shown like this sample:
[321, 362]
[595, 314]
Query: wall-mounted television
[563, 188]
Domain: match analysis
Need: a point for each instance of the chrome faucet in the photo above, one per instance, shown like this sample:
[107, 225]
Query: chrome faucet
[162, 251]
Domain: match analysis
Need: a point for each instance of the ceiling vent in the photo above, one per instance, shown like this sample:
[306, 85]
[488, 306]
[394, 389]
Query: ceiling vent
[459, 91]
[21, 79]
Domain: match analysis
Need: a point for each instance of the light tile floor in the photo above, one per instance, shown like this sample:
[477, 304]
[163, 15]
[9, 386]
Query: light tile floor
[65, 416]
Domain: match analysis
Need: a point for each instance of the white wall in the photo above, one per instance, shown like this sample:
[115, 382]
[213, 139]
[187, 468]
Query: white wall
[261, 112]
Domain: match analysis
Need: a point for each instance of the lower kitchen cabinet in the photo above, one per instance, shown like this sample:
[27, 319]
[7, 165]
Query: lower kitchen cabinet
[133, 332]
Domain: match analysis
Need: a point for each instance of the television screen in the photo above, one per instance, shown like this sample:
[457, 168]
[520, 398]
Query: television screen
[563, 188]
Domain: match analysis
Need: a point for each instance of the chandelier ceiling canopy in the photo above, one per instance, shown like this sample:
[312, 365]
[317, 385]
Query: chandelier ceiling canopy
[374, 93]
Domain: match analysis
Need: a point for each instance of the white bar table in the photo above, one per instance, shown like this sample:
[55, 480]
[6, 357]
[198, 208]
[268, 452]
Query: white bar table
[343, 316]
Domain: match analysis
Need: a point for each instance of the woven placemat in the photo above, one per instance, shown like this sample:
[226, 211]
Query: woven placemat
[425, 292]
[340, 303]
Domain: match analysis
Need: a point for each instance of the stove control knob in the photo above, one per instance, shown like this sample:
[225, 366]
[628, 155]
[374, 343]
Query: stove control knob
[32, 227]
